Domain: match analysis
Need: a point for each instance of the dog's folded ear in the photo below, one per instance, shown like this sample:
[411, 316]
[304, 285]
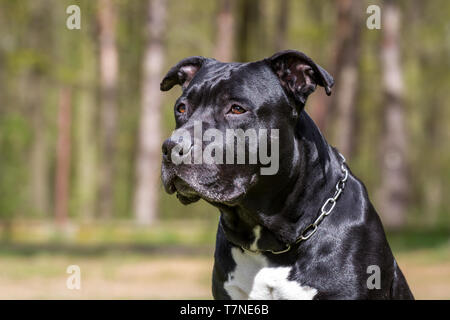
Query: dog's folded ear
[182, 73]
[299, 75]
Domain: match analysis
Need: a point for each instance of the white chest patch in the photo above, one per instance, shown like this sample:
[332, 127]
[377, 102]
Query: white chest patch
[254, 279]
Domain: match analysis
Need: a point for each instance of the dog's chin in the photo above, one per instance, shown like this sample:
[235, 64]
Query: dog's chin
[185, 193]
[188, 193]
[187, 199]
[209, 185]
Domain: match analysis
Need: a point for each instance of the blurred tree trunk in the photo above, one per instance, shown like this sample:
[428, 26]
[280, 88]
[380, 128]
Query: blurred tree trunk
[281, 25]
[251, 38]
[318, 108]
[346, 63]
[39, 155]
[63, 158]
[394, 188]
[318, 103]
[149, 151]
[225, 31]
[38, 38]
[86, 186]
[108, 114]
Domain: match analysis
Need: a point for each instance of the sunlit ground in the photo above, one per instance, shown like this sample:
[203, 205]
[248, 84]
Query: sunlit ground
[167, 268]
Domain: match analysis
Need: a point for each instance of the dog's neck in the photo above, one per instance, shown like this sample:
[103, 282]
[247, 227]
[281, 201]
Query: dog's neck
[285, 212]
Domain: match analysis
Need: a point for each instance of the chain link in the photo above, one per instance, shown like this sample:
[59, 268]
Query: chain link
[327, 207]
[325, 210]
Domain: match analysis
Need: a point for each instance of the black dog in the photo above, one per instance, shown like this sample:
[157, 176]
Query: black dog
[268, 246]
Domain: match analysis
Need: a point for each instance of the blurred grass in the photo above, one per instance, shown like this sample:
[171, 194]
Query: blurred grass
[177, 232]
[436, 242]
[167, 232]
[111, 276]
[172, 259]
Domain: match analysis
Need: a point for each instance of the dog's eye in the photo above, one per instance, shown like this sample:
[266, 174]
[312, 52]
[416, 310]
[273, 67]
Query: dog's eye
[235, 109]
[181, 108]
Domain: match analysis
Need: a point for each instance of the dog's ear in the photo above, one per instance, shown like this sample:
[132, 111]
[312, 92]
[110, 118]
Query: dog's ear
[299, 75]
[182, 73]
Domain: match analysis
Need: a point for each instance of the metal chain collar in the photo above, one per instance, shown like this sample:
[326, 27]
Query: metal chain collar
[326, 209]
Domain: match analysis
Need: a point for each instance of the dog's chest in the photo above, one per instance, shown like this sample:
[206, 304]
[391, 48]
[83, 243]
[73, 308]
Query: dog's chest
[254, 278]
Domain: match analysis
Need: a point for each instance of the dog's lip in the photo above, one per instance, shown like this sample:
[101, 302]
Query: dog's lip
[171, 188]
[185, 193]
[193, 192]
[168, 177]
[168, 184]
[183, 187]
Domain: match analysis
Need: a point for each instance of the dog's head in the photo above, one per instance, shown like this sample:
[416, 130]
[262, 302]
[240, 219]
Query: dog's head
[235, 125]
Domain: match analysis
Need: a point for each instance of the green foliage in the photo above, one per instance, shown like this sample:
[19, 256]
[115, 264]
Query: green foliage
[15, 138]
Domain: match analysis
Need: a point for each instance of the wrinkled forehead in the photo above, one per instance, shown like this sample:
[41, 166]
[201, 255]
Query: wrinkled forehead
[232, 80]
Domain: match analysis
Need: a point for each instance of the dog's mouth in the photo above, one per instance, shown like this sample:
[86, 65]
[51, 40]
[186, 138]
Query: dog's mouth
[209, 186]
[185, 193]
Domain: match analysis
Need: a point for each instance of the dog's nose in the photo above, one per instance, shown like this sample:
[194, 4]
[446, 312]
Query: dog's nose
[167, 147]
